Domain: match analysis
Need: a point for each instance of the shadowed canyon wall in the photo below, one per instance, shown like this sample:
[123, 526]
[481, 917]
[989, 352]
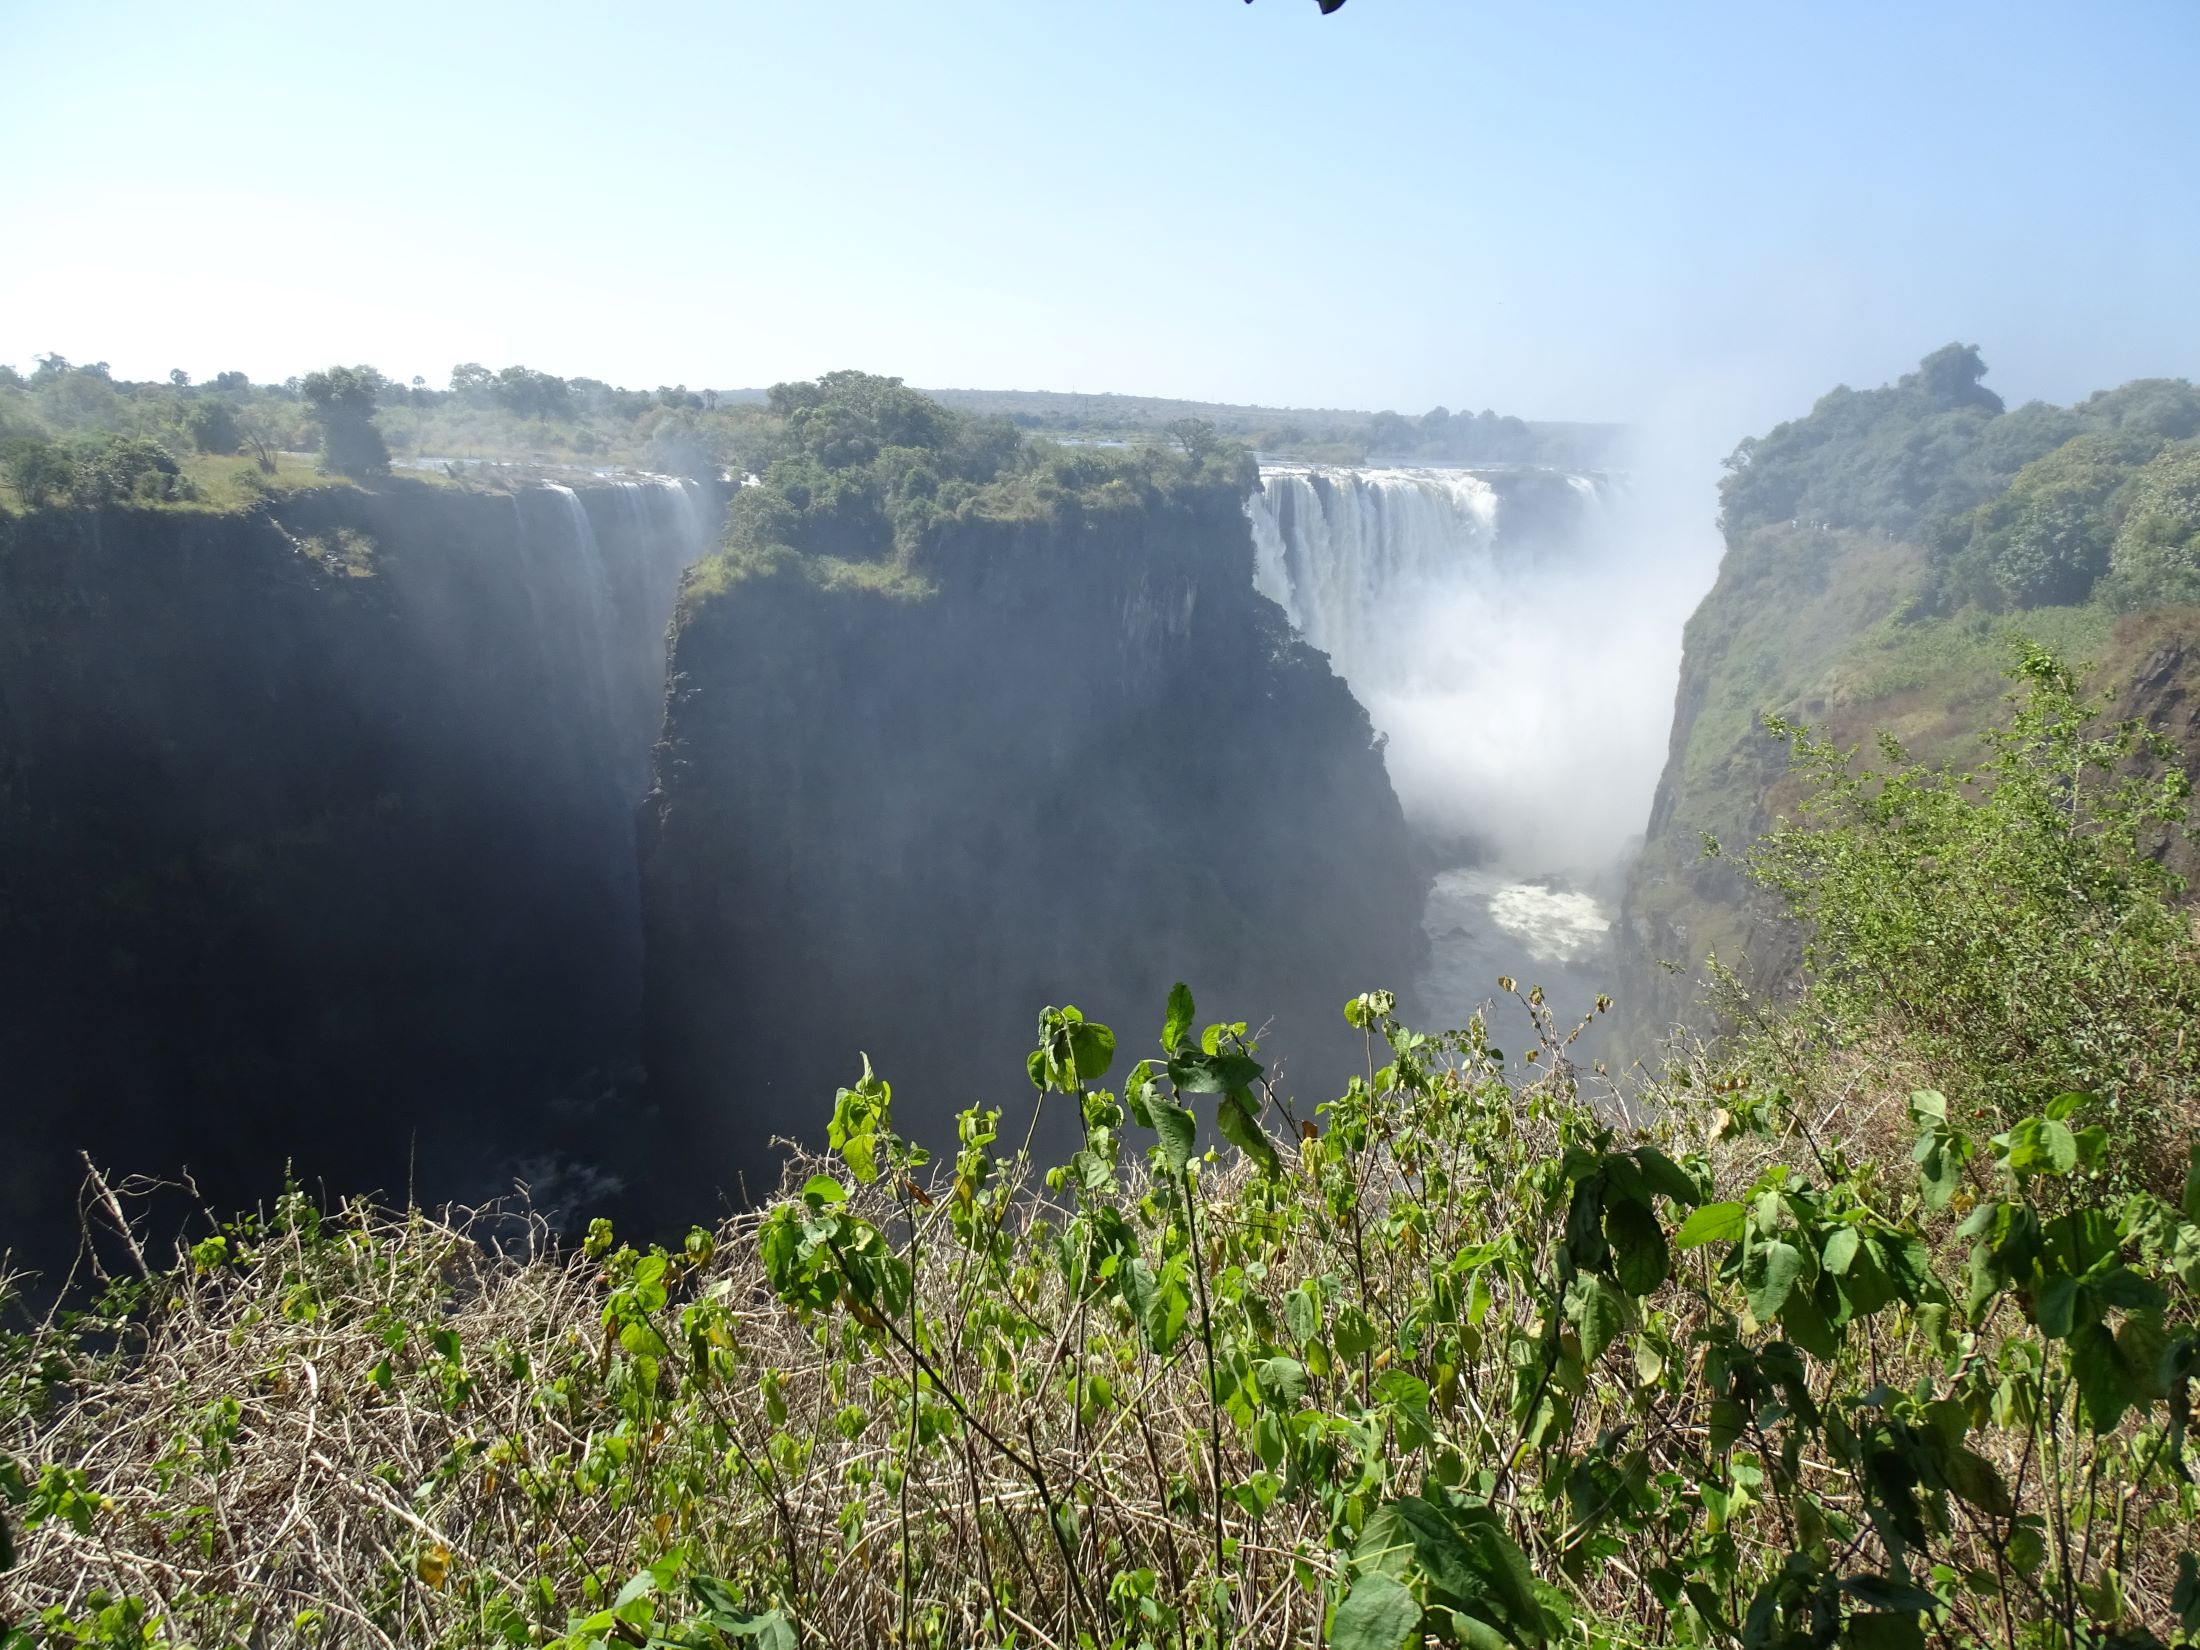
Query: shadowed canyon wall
[1060, 758]
[316, 833]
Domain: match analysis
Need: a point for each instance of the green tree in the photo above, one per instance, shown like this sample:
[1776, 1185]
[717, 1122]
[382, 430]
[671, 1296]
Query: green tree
[1195, 435]
[212, 426]
[342, 402]
[2156, 557]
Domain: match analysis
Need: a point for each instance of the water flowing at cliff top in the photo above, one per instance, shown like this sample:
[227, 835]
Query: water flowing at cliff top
[1503, 636]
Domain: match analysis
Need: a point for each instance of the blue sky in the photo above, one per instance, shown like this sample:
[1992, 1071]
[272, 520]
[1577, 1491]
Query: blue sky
[1674, 212]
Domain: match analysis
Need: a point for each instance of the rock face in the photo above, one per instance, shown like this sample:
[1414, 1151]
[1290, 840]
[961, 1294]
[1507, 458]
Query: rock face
[1069, 758]
[1813, 624]
[316, 834]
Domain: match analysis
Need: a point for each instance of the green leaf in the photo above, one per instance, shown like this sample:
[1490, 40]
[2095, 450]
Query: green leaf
[1178, 1025]
[1378, 1614]
[1769, 1274]
[1728, 1418]
[1840, 1250]
[1179, 1133]
[1473, 1567]
[2191, 1202]
[1973, 1478]
[2104, 1380]
[1596, 1310]
[1667, 1177]
[1384, 1543]
[2184, 1598]
[1136, 1092]
[1888, 1593]
[1213, 1073]
[1239, 1128]
[2039, 1145]
[1282, 1381]
[1091, 1048]
[1705, 1598]
[2060, 1144]
[1641, 1258]
[1302, 1313]
[1806, 1325]
[1883, 1630]
[822, 1191]
[1354, 1336]
[2056, 1306]
[1713, 1223]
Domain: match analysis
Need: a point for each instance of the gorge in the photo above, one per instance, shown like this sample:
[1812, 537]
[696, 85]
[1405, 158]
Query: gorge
[388, 833]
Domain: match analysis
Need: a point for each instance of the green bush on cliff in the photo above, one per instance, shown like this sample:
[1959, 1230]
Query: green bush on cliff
[2007, 928]
[2156, 557]
[88, 471]
[855, 468]
[2024, 502]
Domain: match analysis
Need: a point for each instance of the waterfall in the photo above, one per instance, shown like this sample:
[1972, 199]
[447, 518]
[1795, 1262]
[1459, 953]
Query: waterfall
[1463, 609]
[1342, 551]
[601, 568]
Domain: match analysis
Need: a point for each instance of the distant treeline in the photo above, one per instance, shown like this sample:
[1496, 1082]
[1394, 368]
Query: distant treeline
[1438, 436]
[75, 433]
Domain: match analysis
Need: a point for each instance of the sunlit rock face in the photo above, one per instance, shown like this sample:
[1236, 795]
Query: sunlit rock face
[316, 833]
[1089, 761]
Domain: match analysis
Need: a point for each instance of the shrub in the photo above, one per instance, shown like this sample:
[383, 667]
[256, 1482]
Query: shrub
[2008, 928]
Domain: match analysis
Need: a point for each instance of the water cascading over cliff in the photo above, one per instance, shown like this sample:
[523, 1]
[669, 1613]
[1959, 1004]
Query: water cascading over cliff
[1461, 607]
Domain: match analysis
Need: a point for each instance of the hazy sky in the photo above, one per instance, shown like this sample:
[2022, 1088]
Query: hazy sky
[1600, 210]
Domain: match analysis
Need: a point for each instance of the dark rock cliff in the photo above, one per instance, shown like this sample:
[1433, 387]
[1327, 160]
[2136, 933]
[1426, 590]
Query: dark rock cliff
[1061, 758]
[316, 833]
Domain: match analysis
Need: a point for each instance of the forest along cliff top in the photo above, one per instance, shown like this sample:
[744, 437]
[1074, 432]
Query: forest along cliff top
[1882, 553]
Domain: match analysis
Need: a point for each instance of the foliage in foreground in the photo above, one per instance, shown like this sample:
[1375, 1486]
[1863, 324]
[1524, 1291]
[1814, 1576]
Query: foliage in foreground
[1466, 1366]
[1467, 1363]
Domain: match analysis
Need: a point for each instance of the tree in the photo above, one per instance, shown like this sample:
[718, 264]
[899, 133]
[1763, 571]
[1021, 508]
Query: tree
[1949, 377]
[342, 403]
[2157, 551]
[1195, 435]
[232, 383]
[178, 377]
[37, 469]
[212, 426]
[469, 377]
[533, 394]
[1391, 432]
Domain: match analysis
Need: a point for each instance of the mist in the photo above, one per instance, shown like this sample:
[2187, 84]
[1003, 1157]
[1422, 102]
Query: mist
[1516, 648]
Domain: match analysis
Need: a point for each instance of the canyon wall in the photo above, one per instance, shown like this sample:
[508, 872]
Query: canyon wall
[316, 836]
[1063, 755]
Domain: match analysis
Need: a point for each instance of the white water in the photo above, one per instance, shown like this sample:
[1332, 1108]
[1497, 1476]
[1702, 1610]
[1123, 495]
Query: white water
[600, 600]
[1519, 678]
